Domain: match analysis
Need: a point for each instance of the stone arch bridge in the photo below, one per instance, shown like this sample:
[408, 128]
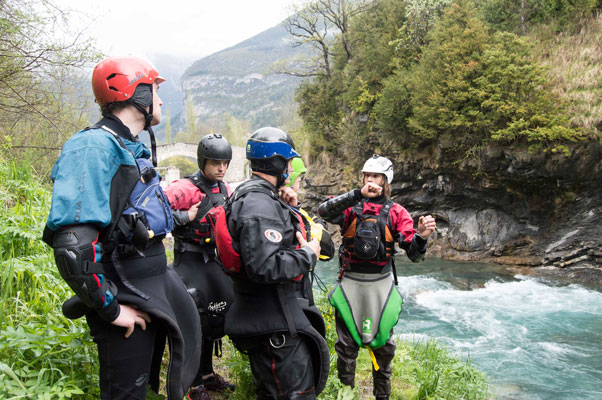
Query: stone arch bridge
[237, 172]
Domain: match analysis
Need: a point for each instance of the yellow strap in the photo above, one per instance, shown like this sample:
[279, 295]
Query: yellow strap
[374, 363]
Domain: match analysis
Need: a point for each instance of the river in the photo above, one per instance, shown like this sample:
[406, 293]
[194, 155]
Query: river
[535, 339]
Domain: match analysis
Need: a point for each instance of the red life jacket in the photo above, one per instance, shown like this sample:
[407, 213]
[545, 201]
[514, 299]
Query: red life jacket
[227, 252]
[201, 230]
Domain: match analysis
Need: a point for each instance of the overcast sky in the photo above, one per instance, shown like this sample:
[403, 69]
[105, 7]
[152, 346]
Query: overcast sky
[187, 29]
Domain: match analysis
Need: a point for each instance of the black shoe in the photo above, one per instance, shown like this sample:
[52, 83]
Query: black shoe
[217, 382]
[382, 397]
[199, 393]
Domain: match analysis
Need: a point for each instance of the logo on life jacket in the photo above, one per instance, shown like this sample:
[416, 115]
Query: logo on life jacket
[273, 235]
[367, 325]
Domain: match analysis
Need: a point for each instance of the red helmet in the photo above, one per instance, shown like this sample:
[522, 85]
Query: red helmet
[116, 78]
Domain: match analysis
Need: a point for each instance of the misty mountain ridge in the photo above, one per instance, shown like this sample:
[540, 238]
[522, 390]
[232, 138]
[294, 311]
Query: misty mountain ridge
[240, 80]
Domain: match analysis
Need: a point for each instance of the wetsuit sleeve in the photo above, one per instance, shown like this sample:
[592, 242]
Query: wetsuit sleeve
[409, 240]
[77, 254]
[332, 209]
[182, 195]
[261, 248]
[180, 218]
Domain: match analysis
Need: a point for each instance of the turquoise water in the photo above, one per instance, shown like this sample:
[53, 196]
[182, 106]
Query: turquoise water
[535, 339]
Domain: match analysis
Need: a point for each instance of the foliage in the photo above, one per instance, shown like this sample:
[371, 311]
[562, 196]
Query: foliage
[235, 130]
[319, 108]
[44, 96]
[185, 165]
[421, 16]
[435, 71]
[521, 16]
[42, 354]
[443, 81]
[471, 87]
[574, 61]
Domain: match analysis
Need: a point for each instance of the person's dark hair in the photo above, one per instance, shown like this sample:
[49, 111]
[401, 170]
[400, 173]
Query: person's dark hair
[112, 108]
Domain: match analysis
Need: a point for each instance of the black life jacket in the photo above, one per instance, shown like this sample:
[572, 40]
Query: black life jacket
[370, 237]
[201, 230]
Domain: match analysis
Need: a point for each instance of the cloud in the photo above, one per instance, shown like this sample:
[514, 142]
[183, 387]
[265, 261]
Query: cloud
[182, 28]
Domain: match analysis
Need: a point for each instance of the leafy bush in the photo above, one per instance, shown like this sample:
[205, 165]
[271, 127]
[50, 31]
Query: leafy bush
[42, 354]
[185, 165]
[471, 87]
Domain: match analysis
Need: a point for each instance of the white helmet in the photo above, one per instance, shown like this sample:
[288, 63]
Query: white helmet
[379, 165]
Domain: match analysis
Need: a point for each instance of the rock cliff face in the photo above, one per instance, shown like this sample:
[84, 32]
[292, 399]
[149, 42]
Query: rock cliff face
[508, 206]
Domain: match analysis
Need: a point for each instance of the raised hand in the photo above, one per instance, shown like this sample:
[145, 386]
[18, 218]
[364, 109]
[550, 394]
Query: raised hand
[371, 190]
[426, 226]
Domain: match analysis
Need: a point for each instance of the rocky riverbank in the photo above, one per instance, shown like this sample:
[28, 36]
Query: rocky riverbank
[540, 212]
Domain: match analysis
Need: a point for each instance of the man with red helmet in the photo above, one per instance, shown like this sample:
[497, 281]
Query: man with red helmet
[106, 224]
[194, 200]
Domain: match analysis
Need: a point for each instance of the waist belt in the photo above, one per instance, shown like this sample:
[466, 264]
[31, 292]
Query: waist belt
[153, 248]
[192, 247]
[208, 252]
[368, 268]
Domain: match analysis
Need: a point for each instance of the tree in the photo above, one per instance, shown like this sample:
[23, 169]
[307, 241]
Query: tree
[471, 87]
[235, 130]
[44, 95]
[317, 24]
[421, 16]
[444, 80]
[191, 127]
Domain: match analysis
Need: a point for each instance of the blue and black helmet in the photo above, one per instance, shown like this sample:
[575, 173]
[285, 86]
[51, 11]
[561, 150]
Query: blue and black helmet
[269, 150]
[270, 142]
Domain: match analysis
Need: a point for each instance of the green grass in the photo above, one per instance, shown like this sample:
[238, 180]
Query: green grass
[43, 355]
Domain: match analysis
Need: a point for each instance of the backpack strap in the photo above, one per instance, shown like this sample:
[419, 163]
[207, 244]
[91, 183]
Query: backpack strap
[211, 200]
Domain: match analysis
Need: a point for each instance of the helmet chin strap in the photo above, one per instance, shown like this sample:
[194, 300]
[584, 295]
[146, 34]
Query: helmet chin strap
[281, 179]
[148, 118]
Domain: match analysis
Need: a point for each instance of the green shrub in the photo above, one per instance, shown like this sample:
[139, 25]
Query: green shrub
[42, 354]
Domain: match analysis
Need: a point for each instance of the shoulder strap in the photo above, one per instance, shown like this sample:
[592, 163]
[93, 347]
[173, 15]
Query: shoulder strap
[250, 186]
[198, 181]
[245, 188]
[117, 137]
[383, 217]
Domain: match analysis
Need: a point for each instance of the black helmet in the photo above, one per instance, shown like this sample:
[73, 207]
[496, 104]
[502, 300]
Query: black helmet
[213, 146]
[269, 150]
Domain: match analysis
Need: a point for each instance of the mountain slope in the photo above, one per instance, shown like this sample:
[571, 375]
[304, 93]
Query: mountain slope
[238, 80]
